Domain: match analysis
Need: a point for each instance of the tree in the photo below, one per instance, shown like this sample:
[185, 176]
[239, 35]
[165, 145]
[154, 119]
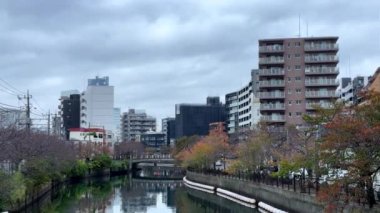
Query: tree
[351, 142]
[255, 151]
[205, 152]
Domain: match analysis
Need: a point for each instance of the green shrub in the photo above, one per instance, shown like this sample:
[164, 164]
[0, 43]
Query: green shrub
[80, 169]
[101, 162]
[12, 189]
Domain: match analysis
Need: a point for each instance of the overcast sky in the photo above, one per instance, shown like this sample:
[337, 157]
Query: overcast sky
[159, 53]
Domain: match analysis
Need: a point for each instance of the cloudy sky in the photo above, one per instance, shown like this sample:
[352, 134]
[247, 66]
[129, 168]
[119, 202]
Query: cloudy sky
[159, 53]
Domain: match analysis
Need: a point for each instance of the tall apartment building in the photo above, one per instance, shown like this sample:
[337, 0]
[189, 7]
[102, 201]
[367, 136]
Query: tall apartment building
[168, 128]
[295, 75]
[97, 105]
[136, 122]
[69, 112]
[194, 119]
[243, 106]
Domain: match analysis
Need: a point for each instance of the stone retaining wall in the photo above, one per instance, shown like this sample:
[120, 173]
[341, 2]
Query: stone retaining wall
[277, 197]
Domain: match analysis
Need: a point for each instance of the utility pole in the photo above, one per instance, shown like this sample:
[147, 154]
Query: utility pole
[28, 120]
[49, 123]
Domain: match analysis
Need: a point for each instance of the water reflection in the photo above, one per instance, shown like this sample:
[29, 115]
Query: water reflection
[125, 194]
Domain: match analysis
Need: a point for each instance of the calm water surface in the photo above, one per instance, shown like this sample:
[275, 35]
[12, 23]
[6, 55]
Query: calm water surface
[127, 194]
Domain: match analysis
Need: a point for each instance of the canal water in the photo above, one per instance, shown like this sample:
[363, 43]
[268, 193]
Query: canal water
[128, 194]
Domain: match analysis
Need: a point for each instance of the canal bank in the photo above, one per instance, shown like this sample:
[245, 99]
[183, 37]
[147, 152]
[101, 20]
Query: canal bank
[279, 198]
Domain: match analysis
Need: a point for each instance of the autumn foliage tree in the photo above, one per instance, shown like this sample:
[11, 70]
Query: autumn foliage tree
[351, 142]
[205, 152]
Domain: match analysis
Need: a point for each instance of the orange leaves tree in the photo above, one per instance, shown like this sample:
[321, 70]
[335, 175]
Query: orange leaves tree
[351, 141]
[205, 152]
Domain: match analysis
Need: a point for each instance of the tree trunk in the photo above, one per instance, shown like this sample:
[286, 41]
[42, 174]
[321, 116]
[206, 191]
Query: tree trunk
[370, 192]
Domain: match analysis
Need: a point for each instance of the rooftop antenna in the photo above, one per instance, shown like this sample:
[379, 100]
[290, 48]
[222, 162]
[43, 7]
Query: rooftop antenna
[307, 29]
[349, 66]
[299, 25]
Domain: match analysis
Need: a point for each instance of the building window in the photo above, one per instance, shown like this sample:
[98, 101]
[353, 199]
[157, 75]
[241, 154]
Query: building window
[289, 68]
[289, 91]
[297, 67]
[290, 102]
[298, 79]
[297, 44]
[297, 55]
[298, 91]
[298, 102]
[290, 114]
[298, 114]
[289, 79]
[289, 56]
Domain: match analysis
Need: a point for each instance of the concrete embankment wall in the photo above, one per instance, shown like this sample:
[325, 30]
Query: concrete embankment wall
[280, 198]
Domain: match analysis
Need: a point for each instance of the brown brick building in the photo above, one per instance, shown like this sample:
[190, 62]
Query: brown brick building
[294, 75]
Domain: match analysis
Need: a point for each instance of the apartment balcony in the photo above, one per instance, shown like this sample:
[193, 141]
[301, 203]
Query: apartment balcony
[271, 60]
[272, 95]
[315, 47]
[272, 107]
[273, 118]
[271, 48]
[321, 71]
[321, 82]
[277, 83]
[312, 106]
[272, 72]
[321, 94]
[321, 59]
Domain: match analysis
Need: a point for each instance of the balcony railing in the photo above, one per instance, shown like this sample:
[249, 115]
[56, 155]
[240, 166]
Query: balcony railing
[321, 46]
[321, 82]
[323, 105]
[321, 70]
[278, 83]
[271, 48]
[321, 58]
[272, 107]
[271, 72]
[273, 95]
[320, 94]
[273, 118]
[271, 60]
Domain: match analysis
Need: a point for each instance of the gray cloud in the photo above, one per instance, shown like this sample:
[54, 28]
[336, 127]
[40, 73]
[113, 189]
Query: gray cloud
[159, 53]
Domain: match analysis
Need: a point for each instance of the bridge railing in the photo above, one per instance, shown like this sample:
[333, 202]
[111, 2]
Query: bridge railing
[152, 156]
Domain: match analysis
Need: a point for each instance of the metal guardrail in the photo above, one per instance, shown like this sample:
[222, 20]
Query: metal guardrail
[151, 156]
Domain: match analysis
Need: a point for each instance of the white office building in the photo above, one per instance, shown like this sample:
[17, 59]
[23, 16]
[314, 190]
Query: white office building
[97, 105]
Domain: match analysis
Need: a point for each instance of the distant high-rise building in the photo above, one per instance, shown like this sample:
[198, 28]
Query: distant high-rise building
[345, 82]
[295, 75]
[97, 105]
[117, 122]
[350, 92]
[69, 113]
[12, 117]
[243, 106]
[194, 119]
[136, 122]
[168, 128]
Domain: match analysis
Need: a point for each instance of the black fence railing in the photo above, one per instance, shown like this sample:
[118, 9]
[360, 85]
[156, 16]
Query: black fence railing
[301, 184]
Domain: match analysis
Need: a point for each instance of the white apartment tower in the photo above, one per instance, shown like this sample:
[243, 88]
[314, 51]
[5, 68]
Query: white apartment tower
[97, 105]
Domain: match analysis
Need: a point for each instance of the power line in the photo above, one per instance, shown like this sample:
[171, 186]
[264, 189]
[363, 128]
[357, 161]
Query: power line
[15, 90]
[7, 105]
